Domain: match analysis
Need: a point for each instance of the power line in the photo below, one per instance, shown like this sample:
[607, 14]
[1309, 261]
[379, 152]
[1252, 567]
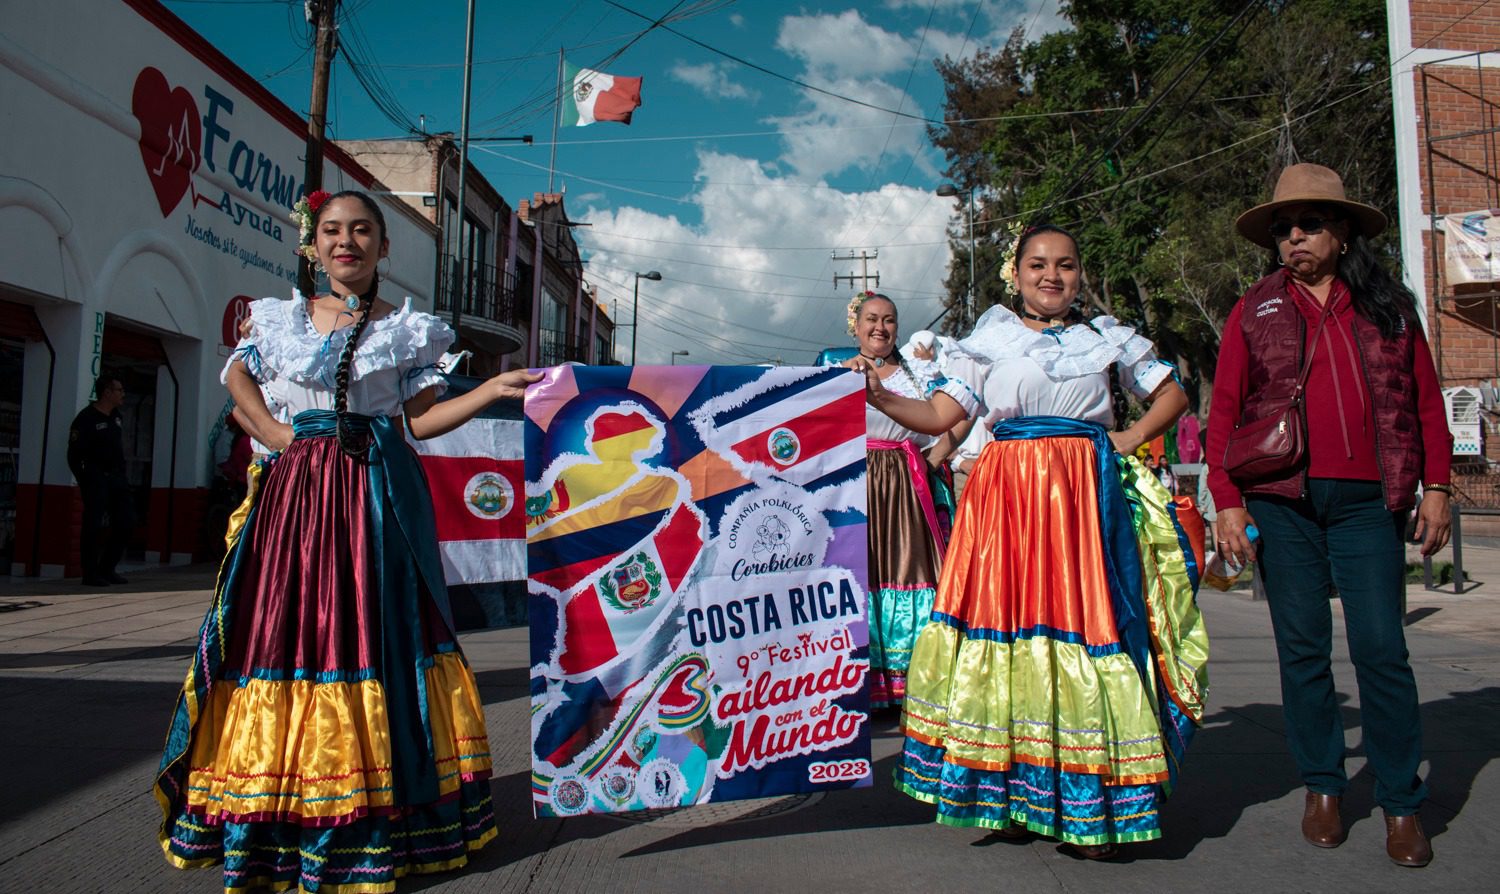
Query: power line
[1087, 170]
[763, 70]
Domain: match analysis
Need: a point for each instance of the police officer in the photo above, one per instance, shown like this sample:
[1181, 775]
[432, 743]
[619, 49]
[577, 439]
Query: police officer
[96, 455]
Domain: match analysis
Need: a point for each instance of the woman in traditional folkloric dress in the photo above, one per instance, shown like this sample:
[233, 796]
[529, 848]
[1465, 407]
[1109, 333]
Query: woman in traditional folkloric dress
[329, 736]
[906, 540]
[1062, 674]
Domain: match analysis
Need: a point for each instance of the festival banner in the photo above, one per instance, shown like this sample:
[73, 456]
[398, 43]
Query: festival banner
[1471, 240]
[697, 556]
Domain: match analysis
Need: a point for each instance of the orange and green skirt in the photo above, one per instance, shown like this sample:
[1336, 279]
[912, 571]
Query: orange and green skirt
[1064, 669]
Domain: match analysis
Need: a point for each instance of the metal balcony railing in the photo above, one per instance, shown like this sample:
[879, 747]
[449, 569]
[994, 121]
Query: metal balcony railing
[481, 290]
[560, 347]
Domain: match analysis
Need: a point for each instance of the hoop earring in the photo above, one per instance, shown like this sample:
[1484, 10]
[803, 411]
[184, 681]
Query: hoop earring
[388, 265]
[1344, 250]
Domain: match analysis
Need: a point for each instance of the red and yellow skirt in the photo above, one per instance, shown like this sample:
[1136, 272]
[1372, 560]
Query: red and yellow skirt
[329, 736]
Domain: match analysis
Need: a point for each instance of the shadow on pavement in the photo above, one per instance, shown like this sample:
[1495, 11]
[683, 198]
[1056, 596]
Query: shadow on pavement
[503, 684]
[63, 736]
[170, 579]
[1223, 778]
[71, 657]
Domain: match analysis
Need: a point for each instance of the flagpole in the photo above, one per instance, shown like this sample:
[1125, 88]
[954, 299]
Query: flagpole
[556, 119]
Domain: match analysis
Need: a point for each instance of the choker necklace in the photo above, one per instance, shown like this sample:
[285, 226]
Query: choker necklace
[878, 361]
[354, 301]
[1071, 316]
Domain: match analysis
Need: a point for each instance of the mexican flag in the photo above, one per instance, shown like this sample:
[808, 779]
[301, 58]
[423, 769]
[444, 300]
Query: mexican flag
[595, 96]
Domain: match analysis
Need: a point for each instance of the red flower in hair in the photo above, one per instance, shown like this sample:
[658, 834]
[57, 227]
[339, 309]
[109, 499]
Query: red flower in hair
[316, 199]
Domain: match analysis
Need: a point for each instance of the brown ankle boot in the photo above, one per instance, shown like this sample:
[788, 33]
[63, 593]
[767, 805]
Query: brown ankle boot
[1405, 842]
[1321, 824]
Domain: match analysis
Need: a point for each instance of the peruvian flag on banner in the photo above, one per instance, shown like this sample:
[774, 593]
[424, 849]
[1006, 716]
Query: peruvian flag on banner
[591, 96]
[610, 617]
[477, 475]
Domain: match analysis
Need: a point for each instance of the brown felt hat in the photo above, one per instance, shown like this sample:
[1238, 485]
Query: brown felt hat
[1307, 185]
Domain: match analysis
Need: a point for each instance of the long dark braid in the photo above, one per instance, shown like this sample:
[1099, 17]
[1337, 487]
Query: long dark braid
[355, 445]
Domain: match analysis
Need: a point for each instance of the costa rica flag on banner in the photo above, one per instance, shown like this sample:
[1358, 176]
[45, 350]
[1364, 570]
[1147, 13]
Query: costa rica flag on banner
[477, 476]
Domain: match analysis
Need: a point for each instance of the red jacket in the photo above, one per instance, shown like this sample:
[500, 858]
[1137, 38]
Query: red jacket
[1340, 408]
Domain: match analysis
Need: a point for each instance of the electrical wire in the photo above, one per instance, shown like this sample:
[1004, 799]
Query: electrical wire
[763, 70]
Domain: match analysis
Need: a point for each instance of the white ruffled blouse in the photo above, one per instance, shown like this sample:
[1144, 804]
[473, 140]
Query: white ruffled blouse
[1018, 371]
[295, 364]
[918, 379]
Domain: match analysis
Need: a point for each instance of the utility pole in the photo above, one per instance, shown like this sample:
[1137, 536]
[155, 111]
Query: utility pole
[864, 258]
[463, 179]
[325, 43]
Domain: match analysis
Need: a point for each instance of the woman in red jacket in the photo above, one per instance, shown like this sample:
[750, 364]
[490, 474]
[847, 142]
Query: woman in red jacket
[1375, 429]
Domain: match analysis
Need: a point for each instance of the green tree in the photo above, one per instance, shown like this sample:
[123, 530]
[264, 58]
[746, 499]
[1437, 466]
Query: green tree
[1148, 126]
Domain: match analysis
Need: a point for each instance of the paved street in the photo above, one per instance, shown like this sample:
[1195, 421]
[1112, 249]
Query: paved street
[87, 678]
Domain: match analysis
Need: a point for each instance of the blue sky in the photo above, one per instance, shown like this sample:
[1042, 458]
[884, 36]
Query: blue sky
[736, 185]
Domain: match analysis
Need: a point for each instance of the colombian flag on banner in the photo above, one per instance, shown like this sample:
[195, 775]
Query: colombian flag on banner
[695, 542]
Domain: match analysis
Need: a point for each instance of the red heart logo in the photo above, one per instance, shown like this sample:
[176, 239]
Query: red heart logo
[171, 135]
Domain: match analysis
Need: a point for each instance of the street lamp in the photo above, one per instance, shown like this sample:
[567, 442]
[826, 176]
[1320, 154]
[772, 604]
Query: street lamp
[948, 190]
[676, 354]
[635, 309]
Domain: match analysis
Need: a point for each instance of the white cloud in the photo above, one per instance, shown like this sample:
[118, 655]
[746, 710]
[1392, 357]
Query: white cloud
[927, 4]
[754, 280]
[833, 135]
[712, 80]
[848, 56]
[736, 20]
[997, 20]
[843, 46]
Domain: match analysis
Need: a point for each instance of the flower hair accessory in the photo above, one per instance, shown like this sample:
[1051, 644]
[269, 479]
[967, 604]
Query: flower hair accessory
[855, 303]
[305, 213]
[1012, 238]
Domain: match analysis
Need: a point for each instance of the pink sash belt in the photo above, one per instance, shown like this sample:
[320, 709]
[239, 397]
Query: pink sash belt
[918, 468]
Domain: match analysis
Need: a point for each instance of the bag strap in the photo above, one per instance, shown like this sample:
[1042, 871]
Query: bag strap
[1307, 361]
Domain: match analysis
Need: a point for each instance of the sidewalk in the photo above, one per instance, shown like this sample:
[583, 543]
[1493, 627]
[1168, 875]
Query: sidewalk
[88, 678]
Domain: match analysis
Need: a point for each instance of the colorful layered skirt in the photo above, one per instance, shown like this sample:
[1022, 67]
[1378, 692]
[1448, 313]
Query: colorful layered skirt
[329, 736]
[1063, 672]
[906, 544]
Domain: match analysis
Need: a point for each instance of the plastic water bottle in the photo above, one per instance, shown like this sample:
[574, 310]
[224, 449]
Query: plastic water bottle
[1220, 571]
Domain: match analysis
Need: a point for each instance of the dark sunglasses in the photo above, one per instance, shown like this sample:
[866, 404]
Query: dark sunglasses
[1311, 225]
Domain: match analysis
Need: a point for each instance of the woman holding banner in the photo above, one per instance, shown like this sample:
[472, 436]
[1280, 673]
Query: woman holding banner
[330, 734]
[1062, 673]
[906, 542]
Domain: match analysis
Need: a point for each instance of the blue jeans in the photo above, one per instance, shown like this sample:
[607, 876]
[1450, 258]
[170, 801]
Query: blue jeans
[1342, 534]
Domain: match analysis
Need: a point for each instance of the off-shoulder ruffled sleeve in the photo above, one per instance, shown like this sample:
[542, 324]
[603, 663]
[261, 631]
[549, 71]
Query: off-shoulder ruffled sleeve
[1070, 353]
[283, 344]
[267, 317]
[933, 377]
[1140, 370]
[431, 338]
[964, 382]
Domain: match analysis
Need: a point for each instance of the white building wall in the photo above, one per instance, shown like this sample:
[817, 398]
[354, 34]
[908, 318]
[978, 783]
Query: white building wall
[145, 178]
